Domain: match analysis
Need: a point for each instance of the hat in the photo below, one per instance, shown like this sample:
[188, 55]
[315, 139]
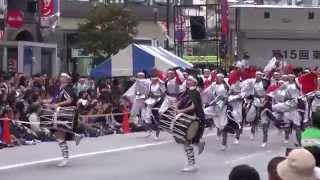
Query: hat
[299, 165]
[65, 75]
[259, 73]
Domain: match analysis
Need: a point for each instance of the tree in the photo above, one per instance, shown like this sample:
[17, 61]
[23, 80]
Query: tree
[107, 30]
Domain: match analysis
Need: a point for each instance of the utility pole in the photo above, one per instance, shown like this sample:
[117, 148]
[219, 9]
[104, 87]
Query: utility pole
[38, 21]
[168, 23]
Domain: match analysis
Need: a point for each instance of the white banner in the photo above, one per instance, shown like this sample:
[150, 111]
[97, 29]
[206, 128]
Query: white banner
[304, 53]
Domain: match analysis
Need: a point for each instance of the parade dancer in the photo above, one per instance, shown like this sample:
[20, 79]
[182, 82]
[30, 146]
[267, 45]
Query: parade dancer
[276, 77]
[290, 108]
[138, 93]
[216, 109]
[276, 64]
[207, 78]
[172, 85]
[296, 115]
[243, 63]
[234, 105]
[190, 103]
[254, 91]
[154, 99]
[64, 98]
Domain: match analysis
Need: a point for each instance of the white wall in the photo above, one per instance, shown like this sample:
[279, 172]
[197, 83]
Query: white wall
[284, 19]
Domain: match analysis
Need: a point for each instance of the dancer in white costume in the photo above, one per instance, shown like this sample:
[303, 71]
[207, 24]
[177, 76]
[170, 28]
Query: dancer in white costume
[216, 109]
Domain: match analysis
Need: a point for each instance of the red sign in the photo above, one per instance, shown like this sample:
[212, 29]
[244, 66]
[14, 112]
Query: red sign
[47, 8]
[15, 18]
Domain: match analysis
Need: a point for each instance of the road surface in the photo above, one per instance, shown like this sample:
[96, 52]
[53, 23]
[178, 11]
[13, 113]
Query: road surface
[134, 157]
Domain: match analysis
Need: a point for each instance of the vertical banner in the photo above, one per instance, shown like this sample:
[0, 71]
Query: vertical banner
[224, 28]
[49, 13]
[2, 30]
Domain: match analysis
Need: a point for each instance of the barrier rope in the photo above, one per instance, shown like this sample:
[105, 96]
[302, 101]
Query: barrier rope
[61, 122]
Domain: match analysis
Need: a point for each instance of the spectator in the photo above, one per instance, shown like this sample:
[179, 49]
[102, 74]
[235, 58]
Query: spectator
[272, 168]
[299, 165]
[83, 102]
[81, 86]
[34, 118]
[315, 151]
[244, 172]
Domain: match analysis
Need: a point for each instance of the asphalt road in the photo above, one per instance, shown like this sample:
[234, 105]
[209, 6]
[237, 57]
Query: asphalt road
[134, 157]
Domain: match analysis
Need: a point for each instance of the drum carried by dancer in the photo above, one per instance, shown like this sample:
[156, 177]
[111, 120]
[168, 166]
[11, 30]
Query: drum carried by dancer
[62, 116]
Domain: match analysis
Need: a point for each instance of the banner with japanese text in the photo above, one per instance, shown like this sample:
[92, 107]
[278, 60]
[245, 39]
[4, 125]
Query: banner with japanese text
[299, 53]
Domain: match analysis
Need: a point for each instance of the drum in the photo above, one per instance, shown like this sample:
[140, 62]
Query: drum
[184, 129]
[232, 125]
[63, 118]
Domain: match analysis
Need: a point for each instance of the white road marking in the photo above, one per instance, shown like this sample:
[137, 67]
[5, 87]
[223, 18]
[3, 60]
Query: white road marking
[249, 156]
[89, 154]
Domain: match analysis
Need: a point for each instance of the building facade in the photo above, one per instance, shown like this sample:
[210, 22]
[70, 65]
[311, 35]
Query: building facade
[151, 29]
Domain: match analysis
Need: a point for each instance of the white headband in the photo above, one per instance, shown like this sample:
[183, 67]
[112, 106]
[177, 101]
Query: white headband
[220, 75]
[65, 75]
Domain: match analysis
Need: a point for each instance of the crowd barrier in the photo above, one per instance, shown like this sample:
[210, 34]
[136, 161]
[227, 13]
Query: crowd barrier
[6, 135]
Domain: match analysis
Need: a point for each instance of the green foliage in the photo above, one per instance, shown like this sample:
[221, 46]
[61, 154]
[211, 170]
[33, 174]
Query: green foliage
[107, 30]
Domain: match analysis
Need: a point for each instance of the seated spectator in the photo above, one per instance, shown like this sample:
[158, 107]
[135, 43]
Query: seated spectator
[81, 86]
[42, 134]
[272, 168]
[244, 172]
[83, 102]
[299, 165]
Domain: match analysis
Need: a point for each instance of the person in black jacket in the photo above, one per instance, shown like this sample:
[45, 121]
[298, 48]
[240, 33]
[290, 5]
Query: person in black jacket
[65, 97]
[191, 104]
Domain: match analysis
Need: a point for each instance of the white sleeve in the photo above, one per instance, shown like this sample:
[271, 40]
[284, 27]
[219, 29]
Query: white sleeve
[270, 66]
[247, 87]
[130, 93]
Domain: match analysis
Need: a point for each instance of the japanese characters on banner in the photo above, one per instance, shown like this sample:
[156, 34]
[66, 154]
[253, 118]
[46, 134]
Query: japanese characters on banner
[299, 54]
[15, 18]
[50, 13]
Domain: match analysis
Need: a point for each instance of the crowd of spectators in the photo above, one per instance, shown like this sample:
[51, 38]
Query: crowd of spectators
[21, 100]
